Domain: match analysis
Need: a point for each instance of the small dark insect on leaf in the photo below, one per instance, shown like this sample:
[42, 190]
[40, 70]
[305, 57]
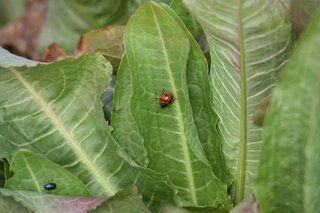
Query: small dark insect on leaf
[165, 99]
[50, 186]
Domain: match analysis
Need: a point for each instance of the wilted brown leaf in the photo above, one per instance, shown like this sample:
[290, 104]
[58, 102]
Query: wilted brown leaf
[108, 42]
[21, 36]
[53, 53]
[94, 39]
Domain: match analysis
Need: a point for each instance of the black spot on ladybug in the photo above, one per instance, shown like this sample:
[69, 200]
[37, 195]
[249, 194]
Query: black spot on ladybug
[50, 186]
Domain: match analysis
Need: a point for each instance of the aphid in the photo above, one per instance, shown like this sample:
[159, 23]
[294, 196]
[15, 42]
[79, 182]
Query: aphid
[50, 186]
[165, 99]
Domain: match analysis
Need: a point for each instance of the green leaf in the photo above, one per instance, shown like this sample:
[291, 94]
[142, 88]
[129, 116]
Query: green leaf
[8, 59]
[113, 50]
[52, 203]
[8, 204]
[107, 41]
[55, 110]
[157, 51]
[162, 1]
[125, 201]
[173, 209]
[188, 19]
[155, 188]
[67, 20]
[33, 172]
[110, 37]
[204, 116]
[288, 179]
[302, 12]
[249, 41]
[11, 10]
[125, 130]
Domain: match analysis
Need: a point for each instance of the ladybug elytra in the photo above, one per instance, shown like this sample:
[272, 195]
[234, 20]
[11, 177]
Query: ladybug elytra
[165, 99]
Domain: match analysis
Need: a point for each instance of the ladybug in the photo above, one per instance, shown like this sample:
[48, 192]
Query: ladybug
[50, 186]
[165, 99]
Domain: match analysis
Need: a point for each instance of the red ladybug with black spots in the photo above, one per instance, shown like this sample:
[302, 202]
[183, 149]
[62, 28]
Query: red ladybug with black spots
[166, 99]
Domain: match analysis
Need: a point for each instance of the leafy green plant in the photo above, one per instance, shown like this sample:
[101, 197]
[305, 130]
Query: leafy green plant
[289, 180]
[247, 49]
[166, 130]
[82, 16]
[201, 152]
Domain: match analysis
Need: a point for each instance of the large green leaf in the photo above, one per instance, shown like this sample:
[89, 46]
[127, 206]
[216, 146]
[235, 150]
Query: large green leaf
[32, 172]
[155, 187]
[38, 202]
[56, 110]
[302, 12]
[125, 201]
[67, 20]
[8, 204]
[204, 116]
[249, 41]
[288, 178]
[188, 19]
[125, 130]
[157, 52]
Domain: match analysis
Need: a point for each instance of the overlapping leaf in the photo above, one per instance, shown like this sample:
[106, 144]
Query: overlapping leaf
[200, 99]
[188, 19]
[127, 200]
[288, 179]
[302, 12]
[157, 52]
[32, 172]
[67, 20]
[125, 130]
[39, 202]
[8, 204]
[249, 41]
[156, 188]
[56, 110]
[107, 41]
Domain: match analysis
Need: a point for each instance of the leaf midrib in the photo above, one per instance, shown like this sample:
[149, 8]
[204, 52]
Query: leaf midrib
[184, 142]
[34, 179]
[73, 142]
[241, 167]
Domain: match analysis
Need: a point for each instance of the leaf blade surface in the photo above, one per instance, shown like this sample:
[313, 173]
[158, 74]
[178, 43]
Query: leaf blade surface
[33, 172]
[288, 179]
[249, 41]
[158, 62]
[62, 100]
